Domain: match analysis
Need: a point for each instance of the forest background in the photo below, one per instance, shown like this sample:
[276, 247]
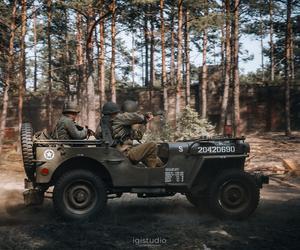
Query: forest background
[97, 51]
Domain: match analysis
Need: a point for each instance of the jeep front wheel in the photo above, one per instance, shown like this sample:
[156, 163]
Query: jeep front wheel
[233, 195]
[79, 195]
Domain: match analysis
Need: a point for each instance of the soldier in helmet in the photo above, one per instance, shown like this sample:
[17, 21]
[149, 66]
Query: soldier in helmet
[66, 127]
[103, 131]
[122, 127]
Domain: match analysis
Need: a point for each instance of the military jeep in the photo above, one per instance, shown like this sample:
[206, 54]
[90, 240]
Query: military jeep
[83, 174]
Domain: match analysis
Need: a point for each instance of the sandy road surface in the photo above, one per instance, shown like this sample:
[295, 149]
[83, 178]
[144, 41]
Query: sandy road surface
[166, 223]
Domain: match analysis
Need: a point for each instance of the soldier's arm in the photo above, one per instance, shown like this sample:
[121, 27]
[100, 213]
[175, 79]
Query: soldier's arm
[131, 118]
[98, 133]
[74, 132]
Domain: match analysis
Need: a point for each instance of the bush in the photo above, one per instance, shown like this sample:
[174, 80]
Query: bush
[189, 126]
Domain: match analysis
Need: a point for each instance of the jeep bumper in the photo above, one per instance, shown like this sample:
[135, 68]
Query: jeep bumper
[32, 196]
[261, 179]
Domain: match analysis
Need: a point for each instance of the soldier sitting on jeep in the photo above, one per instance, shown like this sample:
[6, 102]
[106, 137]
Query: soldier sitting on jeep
[66, 127]
[122, 130]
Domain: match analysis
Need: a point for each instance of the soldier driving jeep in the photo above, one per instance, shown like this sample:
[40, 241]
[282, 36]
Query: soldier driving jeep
[120, 129]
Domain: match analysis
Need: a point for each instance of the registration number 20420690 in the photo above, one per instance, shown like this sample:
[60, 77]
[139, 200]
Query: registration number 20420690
[216, 149]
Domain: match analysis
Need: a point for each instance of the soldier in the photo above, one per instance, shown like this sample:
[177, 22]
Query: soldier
[104, 130]
[66, 127]
[124, 134]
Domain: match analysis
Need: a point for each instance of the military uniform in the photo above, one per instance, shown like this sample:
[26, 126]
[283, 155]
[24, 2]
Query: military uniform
[104, 129]
[67, 129]
[124, 135]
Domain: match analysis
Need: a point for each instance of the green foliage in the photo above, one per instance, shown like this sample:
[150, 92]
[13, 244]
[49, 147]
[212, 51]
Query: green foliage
[189, 126]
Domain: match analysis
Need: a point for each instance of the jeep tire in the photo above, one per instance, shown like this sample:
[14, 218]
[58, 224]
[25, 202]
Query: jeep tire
[27, 149]
[233, 195]
[79, 195]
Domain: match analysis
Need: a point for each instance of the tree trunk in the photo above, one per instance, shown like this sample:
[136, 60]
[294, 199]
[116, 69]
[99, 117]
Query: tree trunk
[236, 79]
[9, 69]
[146, 36]
[49, 21]
[81, 72]
[288, 41]
[224, 106]
[223, 46]
[101, 62]
[292, 58]
[172, 62]
[163, 58]
[261, 32]
[90, 85]
[272, 61]
[187, 59]
[204, 68]
[152, 51]
[113, 53]
[179, 61]
[66, 56]
[22, 82]
[133, 60]
[34, 50]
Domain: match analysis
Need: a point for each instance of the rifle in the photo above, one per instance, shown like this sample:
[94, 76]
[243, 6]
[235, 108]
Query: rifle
[89, 131]
[156, 113]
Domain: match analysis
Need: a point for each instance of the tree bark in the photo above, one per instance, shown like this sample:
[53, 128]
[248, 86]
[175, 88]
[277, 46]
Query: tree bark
[179, 61]
[133, 60]
[163, 58]
[223, 46]
[288, 41]
[49, 42]
[146, 36]
[81, 99]
[90, 85]
[236, 78]
[66, 56]
[272, 61]
[224, 106]
[204, 68]
[34, 50]
[152, 51]
[101, 61]
[113, 53]
[261, 33]
[22, 82]
[187, 59]
[9, 69]
[172, 61]
[292, 58]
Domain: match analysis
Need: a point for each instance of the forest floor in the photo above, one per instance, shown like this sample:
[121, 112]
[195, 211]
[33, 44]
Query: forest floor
[168, 223]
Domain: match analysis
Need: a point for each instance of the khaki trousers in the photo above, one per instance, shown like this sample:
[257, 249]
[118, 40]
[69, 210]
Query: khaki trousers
[147, 153]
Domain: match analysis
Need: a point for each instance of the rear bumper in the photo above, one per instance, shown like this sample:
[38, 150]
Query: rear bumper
[261, 179]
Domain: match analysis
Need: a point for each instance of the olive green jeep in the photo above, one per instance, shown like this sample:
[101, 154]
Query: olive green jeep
[83, 174]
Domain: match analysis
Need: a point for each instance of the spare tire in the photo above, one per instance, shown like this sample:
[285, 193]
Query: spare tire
[27, 149]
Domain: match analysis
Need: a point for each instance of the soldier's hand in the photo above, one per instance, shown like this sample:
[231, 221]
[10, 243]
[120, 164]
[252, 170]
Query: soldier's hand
[149, 116]
[90, 132]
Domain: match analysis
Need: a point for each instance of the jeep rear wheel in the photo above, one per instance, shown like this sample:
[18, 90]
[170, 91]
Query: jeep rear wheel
[233, 195]
[79, 195]
[27, 149]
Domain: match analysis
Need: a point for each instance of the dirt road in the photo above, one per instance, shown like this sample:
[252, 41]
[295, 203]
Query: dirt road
[163, 223]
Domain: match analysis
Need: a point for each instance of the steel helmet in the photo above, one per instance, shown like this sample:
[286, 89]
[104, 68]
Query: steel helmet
[130, 106]
[110, 108]
[70, 107]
